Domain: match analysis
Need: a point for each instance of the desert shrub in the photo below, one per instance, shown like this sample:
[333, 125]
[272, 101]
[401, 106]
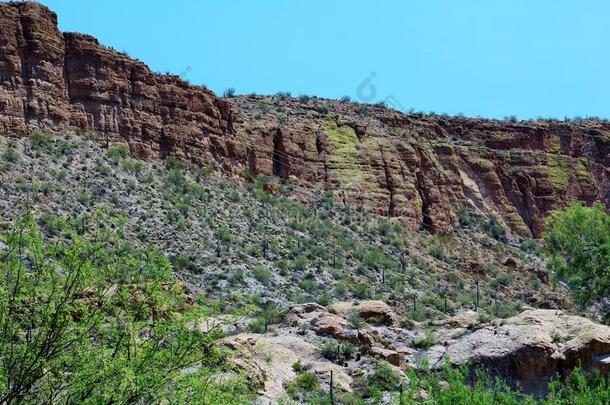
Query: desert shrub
[51, 224]
[362, 291]
[437, 252]
[299, 263]
[356, 320]
[308, 285]
[384, 378]
[103, 169]
[528, 245]
[258, 325]
[307, 382]
[83, 197]
[117, 153]
[40, 140]
[223, 234]
[92, 318]
[577, 246]
[377, 259]
[173, 163]
[426, 340]
[234, 196]
[494, 228]
[461, 386]
[336, 351]
[261, 274]
[183, 262]
[465, 218]
[10, 154]
[384, 227]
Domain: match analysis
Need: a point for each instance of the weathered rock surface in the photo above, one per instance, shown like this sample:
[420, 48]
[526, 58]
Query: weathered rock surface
[420, 169]
[528, 349]
[531, 347]
[376, 310]
[270, 359]
[54, 81]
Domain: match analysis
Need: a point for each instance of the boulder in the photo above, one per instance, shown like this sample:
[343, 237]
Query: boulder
[376, 311]
[530, 347]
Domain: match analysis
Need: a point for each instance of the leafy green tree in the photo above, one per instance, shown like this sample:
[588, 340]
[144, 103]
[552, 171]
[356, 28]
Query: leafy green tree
[577, 245]
[90, 318]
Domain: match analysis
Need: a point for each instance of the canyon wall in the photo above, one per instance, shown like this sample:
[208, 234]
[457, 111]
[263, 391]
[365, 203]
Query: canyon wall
[423, 170]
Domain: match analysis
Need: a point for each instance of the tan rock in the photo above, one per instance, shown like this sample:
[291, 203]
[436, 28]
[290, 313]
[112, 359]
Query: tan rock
[390, 356]
[530, 347]
[368, 310]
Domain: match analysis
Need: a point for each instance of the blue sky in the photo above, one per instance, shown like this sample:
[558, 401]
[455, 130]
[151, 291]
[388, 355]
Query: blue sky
[490, 58]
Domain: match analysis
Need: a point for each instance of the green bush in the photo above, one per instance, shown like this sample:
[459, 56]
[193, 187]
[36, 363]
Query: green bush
[262, 274]
[40, 140]
[383, 378]
[577, 246]
[92, 320]
[10, 154]
[117, 153]
[307, 382]
[494, 228]
[426, 340]
[457, 386]
[437, 252]
[173, 163]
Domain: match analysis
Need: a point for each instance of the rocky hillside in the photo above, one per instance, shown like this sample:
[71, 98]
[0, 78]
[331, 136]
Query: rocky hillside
[257, 239]
[331, 286]
[346, 249]
[423, 170]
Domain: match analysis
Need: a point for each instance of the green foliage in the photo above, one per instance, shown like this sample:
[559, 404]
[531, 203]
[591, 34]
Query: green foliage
[40, 140]
[307, 381]
[223, 234]
[494, 228]
[95, 320]
[580, 388]
[117, 153]
[10, 154]
[356, 320]
[336, 351]
[384, 378]
[426, 340]
[577, 245]
[262, 274]
[173, 163]
[456, 386]
[465, 218]
[437, 252]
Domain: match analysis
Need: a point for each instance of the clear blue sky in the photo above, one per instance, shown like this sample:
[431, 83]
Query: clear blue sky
[490, 58]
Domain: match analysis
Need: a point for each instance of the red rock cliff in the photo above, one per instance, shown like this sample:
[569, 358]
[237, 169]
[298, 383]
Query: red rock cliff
[54, 81]
[421, 169]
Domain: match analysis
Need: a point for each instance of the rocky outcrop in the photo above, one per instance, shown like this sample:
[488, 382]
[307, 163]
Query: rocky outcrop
[530, 348]
[55, 81]
[269, 361]
[373, 311]
[419, 169]
[424, 170]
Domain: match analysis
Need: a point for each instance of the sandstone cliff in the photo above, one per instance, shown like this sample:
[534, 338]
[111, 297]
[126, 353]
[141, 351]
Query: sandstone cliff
[420, 169]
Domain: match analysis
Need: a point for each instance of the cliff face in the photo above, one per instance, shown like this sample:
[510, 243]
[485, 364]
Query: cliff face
[425, 169]
[55, 81]
[421, 169]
